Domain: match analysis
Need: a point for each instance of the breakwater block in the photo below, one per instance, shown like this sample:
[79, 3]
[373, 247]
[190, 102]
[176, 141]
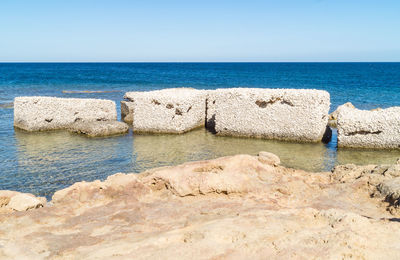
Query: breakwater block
[283, 114]
[369, 129]
[175, 110]
[51, 113]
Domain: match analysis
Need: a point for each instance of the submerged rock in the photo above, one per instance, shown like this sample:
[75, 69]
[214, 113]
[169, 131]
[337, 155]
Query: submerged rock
[99, 128]
[235, 207]
[285, 114]
[51, 113]
[175, 110]
[369, 129]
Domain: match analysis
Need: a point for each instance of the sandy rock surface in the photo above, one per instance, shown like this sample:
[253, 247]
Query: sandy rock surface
[99, 128]
[237, 207]
[369, 129]
[174, 110]
[285, 114]
[16, 201]
[51, 113]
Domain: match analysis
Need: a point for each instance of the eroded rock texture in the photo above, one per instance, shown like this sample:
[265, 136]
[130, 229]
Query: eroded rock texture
[237, 207]
[174, 110]
[51, 113]
[379, 128]
[286, 114]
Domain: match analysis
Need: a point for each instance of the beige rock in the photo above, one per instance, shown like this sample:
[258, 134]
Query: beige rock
[99, 128]
[391, 190]
[24, 201]
[236, 207]
[269, 158]
[51, 113]
[393, 170]
[175, 110]
[4, 201]
[220, 176]
[12, 200]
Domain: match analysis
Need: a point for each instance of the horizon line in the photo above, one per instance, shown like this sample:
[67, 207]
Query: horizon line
[3, 62]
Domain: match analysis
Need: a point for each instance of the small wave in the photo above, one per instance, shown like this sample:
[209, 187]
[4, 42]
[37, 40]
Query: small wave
[7, 105]
[89, 91]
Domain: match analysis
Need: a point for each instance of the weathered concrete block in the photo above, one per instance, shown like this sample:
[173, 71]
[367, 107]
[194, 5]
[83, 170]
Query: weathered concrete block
[284, 114]
[127, 111]
[369, 129]
[176, 110]
[99, 128]
[51, 113]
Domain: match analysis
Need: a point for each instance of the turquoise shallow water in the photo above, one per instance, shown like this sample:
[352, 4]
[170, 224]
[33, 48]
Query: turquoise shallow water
[41, 163]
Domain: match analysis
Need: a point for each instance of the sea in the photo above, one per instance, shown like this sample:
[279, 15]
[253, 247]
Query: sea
[41, 163]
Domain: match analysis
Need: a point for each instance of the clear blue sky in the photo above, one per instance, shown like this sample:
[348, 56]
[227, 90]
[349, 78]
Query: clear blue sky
[202, 30]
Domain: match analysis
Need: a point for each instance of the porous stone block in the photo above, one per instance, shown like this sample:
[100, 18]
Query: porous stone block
[51, 113]
[284, 114]
[369, 129]
[176, 110]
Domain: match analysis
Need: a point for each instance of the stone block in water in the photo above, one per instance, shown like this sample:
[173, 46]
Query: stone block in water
[175, 110]
[51, 113]
[369, 129]
[284, 114]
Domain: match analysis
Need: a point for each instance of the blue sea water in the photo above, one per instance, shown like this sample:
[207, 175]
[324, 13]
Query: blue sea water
[41, 163]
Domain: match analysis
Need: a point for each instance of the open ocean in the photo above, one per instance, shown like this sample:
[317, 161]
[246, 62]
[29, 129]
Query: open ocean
[41, 163]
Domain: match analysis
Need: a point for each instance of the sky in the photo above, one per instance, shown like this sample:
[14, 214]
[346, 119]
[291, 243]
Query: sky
[202, 30]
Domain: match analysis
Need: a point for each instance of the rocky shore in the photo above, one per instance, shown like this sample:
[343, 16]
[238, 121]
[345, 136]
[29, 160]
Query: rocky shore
[229, 208]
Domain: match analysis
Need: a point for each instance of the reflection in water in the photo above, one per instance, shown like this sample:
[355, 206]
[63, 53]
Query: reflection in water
[42, 163]
[364, 156]
[159, 150]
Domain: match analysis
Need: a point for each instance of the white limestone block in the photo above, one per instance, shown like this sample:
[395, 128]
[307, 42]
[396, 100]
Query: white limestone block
[369, 129]
[51, 113]
[284, 114]
[175, 110]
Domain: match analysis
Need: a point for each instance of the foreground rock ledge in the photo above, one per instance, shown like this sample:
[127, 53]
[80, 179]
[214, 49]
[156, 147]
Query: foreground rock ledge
[237, 207]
